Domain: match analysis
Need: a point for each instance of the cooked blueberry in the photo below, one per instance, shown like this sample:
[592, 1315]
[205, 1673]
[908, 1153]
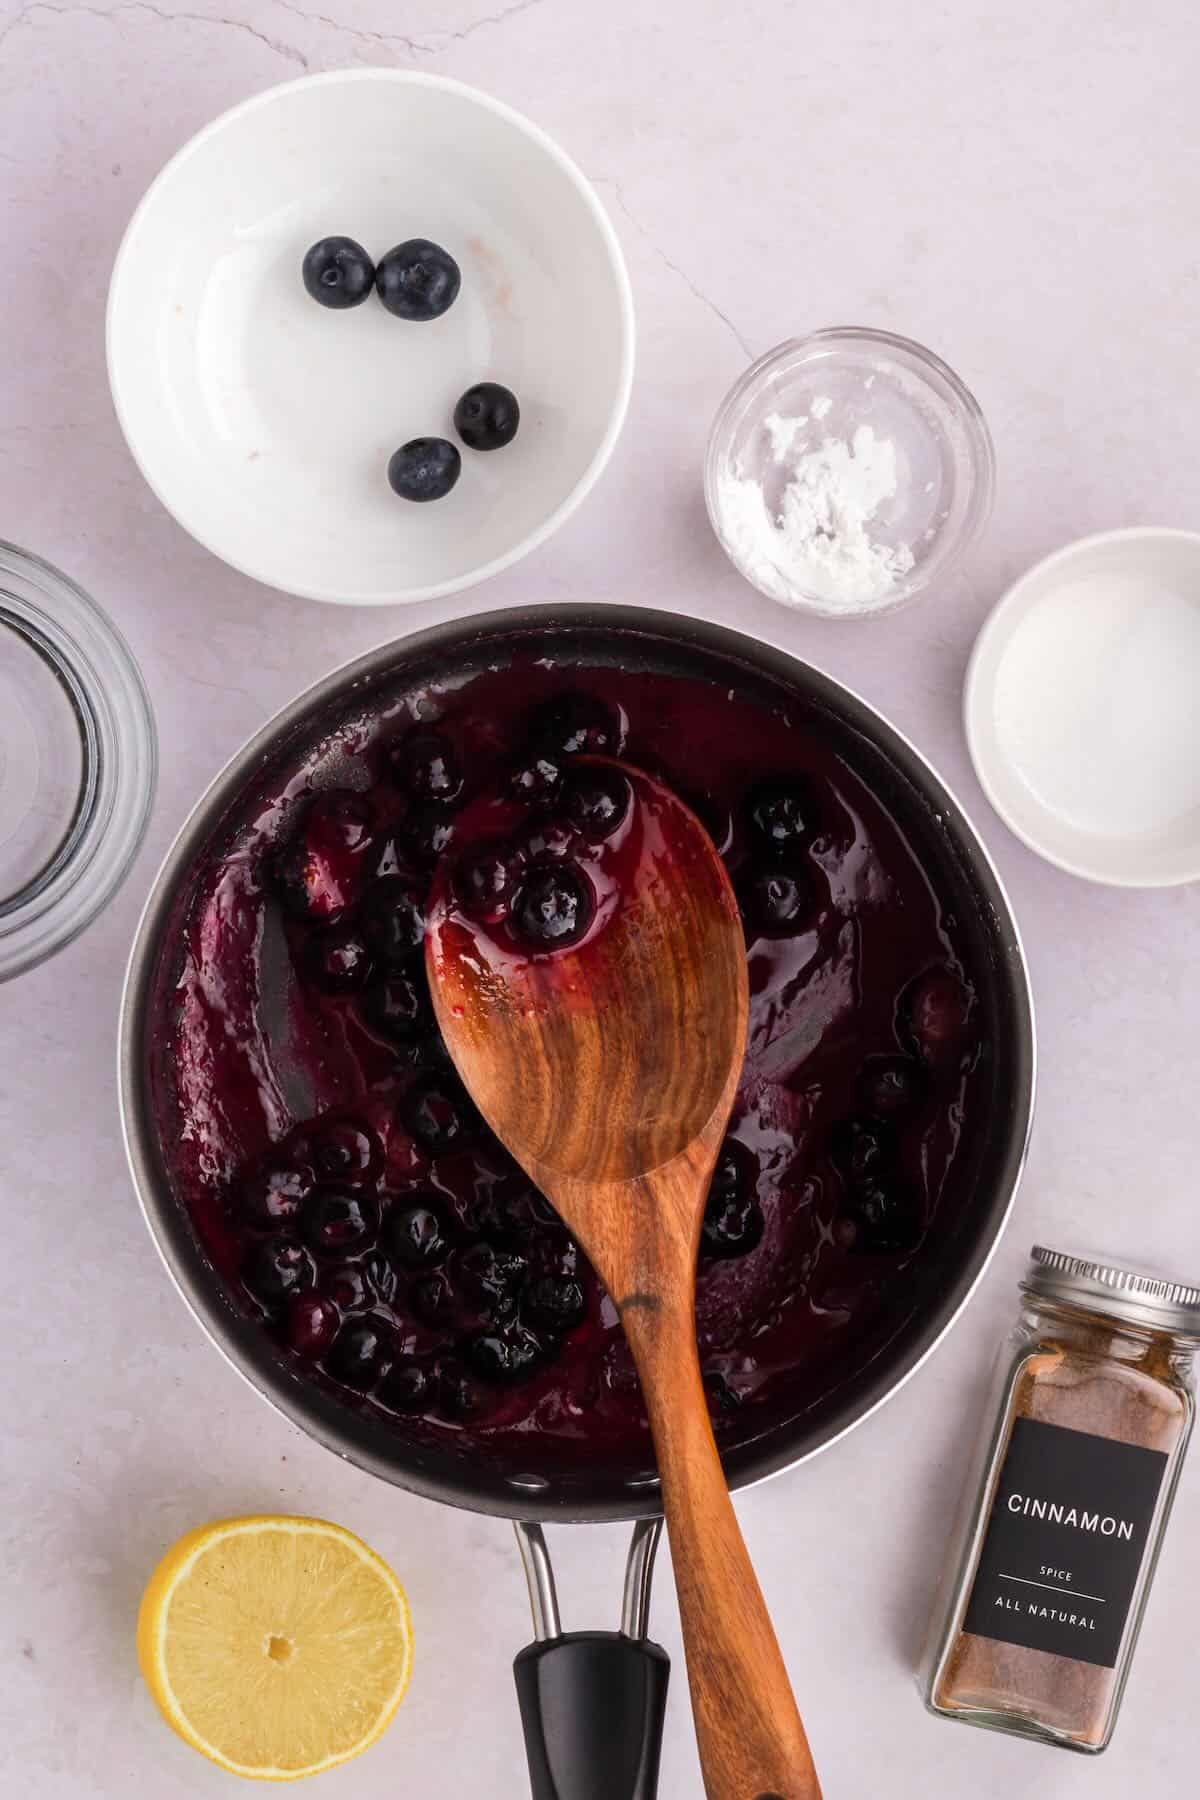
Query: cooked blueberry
[886, 1217]
[382, 1278]
[572, 723]
[776, 900]
[733, 1220]
[891, 1085]
[437, 1111]
[311, 1323]
[426, 468]
[427, 833]
[505, 1214]
[432, 1299]
[781, 814]
[338, 272]
[934, 1014]
[487, 416]
[337, 960]
[347, 1287]
[277, 1270]
[398, 1007]
[418, 280]
[458, 1392]
[537, 782]
[554, 1303]
[492, 1279]
[343, 1150]
[425, 764]
[272, 1194]
[358, 1352]
[339, 1221]
[407, 1388]
[392, 918]
[596, 802]
[318, 873]
[505, 1356]
[416, 1237]
[862, 1148]
[553, 906]
[482, 882]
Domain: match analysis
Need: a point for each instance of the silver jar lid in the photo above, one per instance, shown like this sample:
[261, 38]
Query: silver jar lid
[1122, 1293]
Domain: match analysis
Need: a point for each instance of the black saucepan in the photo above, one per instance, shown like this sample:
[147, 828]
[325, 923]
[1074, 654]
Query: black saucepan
[592, 1702]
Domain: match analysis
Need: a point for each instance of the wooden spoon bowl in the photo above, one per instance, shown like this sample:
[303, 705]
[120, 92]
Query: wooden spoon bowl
[608, 1070]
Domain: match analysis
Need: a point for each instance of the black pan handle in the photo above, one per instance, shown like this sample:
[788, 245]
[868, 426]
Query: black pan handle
[592, 1702]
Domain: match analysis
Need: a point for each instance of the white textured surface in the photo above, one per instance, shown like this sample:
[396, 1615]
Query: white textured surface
[1015, 187]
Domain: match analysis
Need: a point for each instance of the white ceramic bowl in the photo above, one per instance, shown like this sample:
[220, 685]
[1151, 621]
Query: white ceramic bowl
[264, 422]
[1082, 710]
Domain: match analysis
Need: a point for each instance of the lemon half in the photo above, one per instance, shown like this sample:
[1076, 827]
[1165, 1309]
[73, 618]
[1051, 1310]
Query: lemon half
[278, 1647]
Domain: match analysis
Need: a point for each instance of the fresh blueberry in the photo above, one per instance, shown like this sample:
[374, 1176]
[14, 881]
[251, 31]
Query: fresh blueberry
[337, 960]
[572, 723]
[347, 1287]
[437, 1111]
[427, 833]
[407, 1388]
[889, 1086]
[338, 273]
[359, 1352]
[392, 918]
[885, 1216]
[426, 468]
[545, 840]
[432, 1299]
[733, 1220]
[339, 1221]
[505, 1356]
[483, 880]
[862, 1149]
[554, 1303]
[537, 782]
[398, 1007]
[492, 1279]
[273, 1194]
[416, 1237]
[311, 1323]
[934, 1015]
[344, 1150]
[426, 765]
[382, 1277]
[781, 815]
[318, 873]
[278, 1270]
[776, 901]
[553, 906]
[487, 416]
[458, 1392]
[418, 280]
[596, 802]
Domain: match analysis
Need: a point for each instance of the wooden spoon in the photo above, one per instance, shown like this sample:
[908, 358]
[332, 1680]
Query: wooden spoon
[609, 1070]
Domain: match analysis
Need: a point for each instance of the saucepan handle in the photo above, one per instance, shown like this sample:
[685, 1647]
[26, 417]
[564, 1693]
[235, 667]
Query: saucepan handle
[592, 1702]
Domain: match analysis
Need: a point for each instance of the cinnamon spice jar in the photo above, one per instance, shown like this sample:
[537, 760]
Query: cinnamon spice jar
[1094, 1407]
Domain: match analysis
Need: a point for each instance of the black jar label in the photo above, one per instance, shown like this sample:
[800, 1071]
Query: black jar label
[1065, 1541]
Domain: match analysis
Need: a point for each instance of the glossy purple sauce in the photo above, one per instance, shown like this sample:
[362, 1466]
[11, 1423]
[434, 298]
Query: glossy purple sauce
[254, 1059]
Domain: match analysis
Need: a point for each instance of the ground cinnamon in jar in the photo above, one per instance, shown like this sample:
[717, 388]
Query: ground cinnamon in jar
[1094, 1411]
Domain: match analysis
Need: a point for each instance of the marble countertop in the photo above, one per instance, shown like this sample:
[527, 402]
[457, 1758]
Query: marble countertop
[1015, 186]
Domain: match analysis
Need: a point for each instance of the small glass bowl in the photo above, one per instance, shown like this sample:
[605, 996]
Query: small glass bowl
[77, 760]
[836, 381]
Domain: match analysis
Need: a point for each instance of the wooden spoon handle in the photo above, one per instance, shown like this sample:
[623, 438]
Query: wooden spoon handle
[752, 1742]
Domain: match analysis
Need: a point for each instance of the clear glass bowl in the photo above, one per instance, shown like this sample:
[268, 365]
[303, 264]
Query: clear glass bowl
[834, 383]
[77, 760]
